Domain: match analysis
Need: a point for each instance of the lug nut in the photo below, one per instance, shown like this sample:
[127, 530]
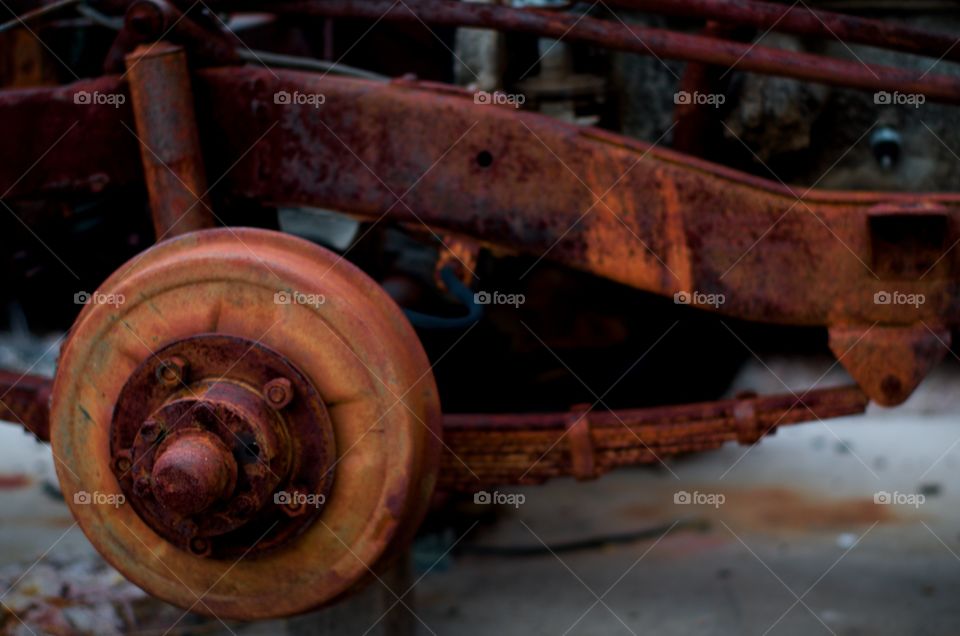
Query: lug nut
[122, 464]
[150, 431]
[278, 392]
[172, 371]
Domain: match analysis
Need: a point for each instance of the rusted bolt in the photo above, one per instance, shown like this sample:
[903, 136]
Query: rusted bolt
[278, 392]
[172, 371]
[122, 464]
[141, 487]
[150, 431]
[295, 507]
[193, 472]
[200, 546]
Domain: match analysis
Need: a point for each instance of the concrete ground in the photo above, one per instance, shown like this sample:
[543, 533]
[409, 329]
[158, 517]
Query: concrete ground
[786, 539]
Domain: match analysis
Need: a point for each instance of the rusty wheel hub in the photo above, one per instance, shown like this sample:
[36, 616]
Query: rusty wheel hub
[264, 411]
[216, 438]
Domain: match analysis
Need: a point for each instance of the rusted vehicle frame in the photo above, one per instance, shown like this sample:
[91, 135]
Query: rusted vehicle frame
[426, 156]
[643, 216]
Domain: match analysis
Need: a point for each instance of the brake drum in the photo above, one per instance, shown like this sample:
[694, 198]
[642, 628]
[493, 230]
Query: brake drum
[245, 424]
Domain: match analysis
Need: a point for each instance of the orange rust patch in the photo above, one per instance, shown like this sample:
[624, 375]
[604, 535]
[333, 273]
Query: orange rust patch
[783, 509]
[777, 509]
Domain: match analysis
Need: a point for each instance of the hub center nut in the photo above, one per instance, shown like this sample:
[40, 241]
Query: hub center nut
[193, 470]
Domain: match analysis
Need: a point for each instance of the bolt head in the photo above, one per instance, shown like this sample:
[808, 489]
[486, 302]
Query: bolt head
[278, 392]
[172, 371]
[122, 464]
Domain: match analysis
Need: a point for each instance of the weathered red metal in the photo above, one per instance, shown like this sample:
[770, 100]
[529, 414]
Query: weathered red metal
[697, 124]
[497, 449]
[490, 450]
[804, 20]
[889, 362]
[666, 223]
[170, 145]
[25, 399]
[617, 34]
[221, 301]
[209, 448]
[149, 20]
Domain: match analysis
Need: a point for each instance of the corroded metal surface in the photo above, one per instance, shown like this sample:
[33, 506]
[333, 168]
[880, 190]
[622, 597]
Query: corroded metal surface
[349, 341]
[487, 450]
[25, 400]
[617, 34]
[497, 449]
[889, 362]
[807, 21]
[666, 223]
[170, 144]
[200, 457]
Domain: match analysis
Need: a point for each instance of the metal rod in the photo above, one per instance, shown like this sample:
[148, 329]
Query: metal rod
[163, 108]
[805, 21]
[634, 38]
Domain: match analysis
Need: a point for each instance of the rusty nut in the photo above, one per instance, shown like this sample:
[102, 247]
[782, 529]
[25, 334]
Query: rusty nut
[278, 392]
[172, 371]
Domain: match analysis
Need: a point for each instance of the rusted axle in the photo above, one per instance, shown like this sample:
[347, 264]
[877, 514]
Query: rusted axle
[25, 400]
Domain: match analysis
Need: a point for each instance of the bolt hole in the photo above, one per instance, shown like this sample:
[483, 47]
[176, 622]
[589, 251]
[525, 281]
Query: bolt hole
[484, 159]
